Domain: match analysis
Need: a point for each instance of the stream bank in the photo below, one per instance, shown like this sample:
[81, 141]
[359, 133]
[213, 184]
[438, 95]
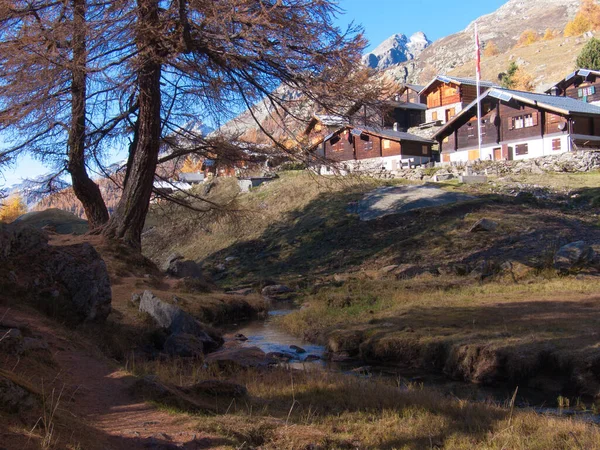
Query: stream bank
[266, 335]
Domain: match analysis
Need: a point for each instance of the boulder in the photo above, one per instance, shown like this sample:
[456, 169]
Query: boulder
[275, 290]
[170, 260]
[240, 337]
[484, 225]
[184, 345]
[218, 388]
[483, 269]
[572, 256]
[11, 340]
[297, 349]
[176, 321]
[71, 281]
[239, 357]
[280, 356]
[184, 268]
[13, 398]
[81, 270]
[310, 358]
[517, 270]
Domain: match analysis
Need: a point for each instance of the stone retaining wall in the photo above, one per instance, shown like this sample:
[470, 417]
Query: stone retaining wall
[580, 161]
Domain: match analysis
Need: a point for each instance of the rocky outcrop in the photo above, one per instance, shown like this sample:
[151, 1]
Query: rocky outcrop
[395, 50]
[186, 334]
[484, 225]
[70, 281]
[13, 398]
[275, 290]
[177, 266]
[575, 255]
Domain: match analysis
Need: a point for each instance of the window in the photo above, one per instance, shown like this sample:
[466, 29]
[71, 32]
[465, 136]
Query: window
[586, 91]
[368, 146]
[528, 120]
[518, 122]
[525, 121]
[521, 149]
[386, 144]
[483, 127]
[556, 144]
[425, 149]
[446, 139]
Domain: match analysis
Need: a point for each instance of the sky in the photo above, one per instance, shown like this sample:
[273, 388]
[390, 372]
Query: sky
[379, 18]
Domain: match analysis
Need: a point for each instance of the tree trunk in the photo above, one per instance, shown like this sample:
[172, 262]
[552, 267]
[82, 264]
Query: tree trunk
[85, 189]
[127, 223]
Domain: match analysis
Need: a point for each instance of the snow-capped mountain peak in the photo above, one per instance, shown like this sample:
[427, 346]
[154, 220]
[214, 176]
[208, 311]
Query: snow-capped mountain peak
[395, 50]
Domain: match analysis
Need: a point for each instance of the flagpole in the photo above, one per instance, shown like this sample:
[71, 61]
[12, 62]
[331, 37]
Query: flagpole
[478, 77]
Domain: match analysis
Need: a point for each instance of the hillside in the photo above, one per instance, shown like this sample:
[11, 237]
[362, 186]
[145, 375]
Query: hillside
[503, 27]
[535, 59]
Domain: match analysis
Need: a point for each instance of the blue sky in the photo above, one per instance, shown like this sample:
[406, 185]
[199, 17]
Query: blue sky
[379, 18]
[436, 18]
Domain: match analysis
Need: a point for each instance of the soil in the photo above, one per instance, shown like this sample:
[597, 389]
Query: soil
[99, 396]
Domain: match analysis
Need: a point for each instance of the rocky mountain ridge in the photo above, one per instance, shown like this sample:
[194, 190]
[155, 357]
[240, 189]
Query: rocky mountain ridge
[503, 27]
[395, 50]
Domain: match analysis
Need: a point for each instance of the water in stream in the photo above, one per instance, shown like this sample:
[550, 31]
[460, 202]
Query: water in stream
[266, 335]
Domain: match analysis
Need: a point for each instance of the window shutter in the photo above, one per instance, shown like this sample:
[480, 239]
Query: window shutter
[592, 90]
[512, 123]
[580, 92]
[535, 119]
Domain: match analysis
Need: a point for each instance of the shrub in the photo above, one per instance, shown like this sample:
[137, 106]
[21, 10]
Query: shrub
[528, 37]
[589, 58]
[491, 49]
[12, 208]
[549, 34]
[579, 25]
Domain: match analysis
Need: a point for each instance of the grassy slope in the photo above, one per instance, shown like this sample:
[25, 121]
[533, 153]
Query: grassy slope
[299, 230]
[546, 61]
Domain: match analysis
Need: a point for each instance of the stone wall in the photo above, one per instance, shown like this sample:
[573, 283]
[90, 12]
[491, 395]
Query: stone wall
[580, 161]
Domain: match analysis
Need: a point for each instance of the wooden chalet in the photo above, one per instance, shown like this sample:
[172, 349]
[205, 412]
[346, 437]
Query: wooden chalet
[519, 125]
[370, 148]
[446, 96]
[583, 84]
[402, 111]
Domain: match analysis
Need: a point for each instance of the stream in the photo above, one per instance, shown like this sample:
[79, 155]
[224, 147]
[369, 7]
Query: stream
[269, 337]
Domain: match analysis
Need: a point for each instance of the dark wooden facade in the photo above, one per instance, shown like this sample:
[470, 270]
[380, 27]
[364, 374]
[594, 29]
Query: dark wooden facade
[506, 123]
[346, 146]
[582, 85]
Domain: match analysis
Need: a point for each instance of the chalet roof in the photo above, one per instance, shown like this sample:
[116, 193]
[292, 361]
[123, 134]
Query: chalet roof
[570, 79]
[457, 80]
[407, 105]
[390, 134]
[414, 87]
[559, 105]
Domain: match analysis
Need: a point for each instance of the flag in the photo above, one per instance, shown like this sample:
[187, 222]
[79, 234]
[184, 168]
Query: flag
[477, 53]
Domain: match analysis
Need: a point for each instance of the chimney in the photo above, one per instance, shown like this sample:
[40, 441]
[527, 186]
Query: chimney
[395, 126]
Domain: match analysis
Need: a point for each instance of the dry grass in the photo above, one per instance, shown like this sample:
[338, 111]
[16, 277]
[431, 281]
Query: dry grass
[275, 202]
[546, 61]
[289, 409]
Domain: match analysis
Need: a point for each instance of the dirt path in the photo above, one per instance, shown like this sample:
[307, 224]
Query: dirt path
[99, 396]
[397, 199]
